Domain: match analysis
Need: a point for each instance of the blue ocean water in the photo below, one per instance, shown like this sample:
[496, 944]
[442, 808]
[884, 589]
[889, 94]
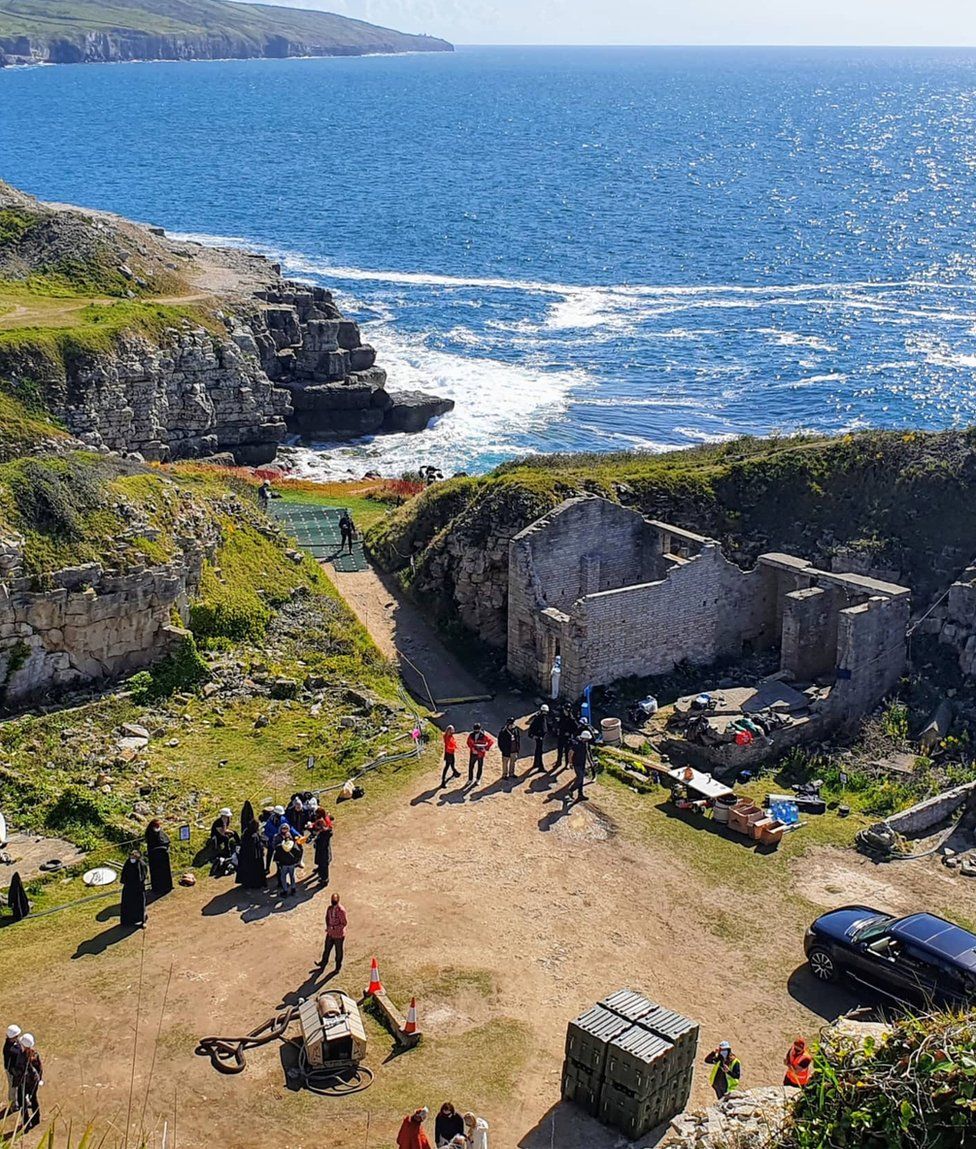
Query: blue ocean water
[589, 248]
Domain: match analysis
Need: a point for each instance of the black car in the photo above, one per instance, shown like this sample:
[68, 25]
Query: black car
[921, 959]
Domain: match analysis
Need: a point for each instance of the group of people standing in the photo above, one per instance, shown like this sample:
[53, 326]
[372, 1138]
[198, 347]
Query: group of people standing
[574, 741]
[278, 837]
[25, 1076]
[451, 1130]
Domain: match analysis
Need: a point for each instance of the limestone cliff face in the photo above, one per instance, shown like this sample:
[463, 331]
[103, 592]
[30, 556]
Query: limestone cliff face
[287, 361]
[190, 394]
[92, 622]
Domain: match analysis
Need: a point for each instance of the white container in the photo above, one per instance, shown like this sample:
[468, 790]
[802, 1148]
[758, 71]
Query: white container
[610, 730]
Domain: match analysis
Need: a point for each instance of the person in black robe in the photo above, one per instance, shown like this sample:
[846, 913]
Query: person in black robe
[17, 898]
[323, 853]
[157, 855]
[133, 910]
[250, 859]
[247, 815]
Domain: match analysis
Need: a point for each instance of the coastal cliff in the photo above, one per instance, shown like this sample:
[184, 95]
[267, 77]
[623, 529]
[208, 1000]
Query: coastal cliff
[35, 31]
[137, 342]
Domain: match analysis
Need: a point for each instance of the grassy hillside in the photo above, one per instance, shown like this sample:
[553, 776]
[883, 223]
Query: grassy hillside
[901, 501]
[260, 27]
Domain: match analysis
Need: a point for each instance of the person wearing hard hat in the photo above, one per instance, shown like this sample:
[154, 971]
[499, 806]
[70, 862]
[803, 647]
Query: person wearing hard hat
[30, 1078]
[579, 756]
[538, 729]
[726, 1070]
[412, 1134]
[12, 1053]
[799, 1065]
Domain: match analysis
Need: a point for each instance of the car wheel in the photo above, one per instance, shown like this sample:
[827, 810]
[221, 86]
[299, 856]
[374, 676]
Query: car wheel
[822, 965]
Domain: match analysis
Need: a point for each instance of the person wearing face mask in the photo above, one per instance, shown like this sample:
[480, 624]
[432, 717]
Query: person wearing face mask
[133, 909]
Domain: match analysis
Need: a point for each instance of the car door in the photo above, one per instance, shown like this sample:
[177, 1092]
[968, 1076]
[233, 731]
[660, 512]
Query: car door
[914, 976]
[898, 973]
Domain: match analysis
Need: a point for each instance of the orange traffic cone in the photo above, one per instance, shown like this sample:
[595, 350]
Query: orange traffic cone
[411, 1026]
[375, 985]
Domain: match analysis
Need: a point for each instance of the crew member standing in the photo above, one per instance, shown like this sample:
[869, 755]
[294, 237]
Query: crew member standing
[157, 857]
[12, 1054]
[579, 754]
[335, 933]
[566, 730]
[538, 728]
[30, 1078]
[799, 1064]
[726, 1070]
[347, 532]
[479, 743]
[509, 743]
[450, 752]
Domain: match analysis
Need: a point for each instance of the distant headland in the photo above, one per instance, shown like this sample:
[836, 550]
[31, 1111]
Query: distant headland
[89, 31]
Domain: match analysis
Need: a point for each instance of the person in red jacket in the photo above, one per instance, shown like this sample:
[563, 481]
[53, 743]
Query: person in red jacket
[450, 749]
[412, 1135]
[479, 743]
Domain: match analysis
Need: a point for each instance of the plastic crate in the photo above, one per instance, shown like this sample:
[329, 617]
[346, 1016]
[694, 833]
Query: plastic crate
[589, 1035]
[584, 1090]
[629, 1004]
[681, 1031]
[638, 1061]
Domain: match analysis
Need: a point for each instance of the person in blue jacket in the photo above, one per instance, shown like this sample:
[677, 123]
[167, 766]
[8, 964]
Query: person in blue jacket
[272, 834]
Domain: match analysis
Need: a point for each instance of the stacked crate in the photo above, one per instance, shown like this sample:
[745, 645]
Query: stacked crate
[629, 1062]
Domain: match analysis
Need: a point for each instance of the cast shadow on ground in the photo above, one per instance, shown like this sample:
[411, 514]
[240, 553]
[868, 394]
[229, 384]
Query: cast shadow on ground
[255, 905]
[101, 942]
[709, 826]
[829, 1001]
[566, 805]
[425, 795]
[453, 797]
[499, 786]
[108, 913]
[316, 981]
[567, 1126]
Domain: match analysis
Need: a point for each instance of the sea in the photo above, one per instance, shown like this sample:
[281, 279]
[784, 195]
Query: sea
[590, 249]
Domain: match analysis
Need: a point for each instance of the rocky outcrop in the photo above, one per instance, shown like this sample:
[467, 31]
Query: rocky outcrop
[336, 390]
[191, 393]
[92, 622]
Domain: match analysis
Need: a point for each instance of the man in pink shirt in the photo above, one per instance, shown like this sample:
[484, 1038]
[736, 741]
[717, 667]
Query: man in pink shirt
[335, 933]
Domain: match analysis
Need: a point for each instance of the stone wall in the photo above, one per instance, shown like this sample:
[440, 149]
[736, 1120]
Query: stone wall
[925, 815]
[953, 619]
[616, 595]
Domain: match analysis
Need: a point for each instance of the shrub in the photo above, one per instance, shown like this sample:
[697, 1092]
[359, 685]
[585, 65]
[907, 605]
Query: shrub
[915, 1087]
[52, 496]
[184, 669]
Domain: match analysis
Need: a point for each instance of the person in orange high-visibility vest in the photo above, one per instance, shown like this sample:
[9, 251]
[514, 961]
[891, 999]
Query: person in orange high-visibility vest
[799, 1064]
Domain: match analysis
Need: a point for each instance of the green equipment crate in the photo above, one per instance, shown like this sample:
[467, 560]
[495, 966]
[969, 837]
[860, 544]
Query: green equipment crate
[639, 1061]
[589, 1035]
[681, 1031]
[582, 1086]
[629, 1004]
[636, 1116]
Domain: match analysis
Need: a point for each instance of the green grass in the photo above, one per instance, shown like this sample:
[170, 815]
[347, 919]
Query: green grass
[22, 428]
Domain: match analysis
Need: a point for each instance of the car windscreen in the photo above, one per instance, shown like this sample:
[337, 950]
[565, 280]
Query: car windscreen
[873, 929]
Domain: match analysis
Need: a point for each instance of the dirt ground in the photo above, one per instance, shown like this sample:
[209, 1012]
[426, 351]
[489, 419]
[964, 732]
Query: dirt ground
[511, 908]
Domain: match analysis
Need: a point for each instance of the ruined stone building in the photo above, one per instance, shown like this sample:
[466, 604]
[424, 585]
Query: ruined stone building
[617, 595]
